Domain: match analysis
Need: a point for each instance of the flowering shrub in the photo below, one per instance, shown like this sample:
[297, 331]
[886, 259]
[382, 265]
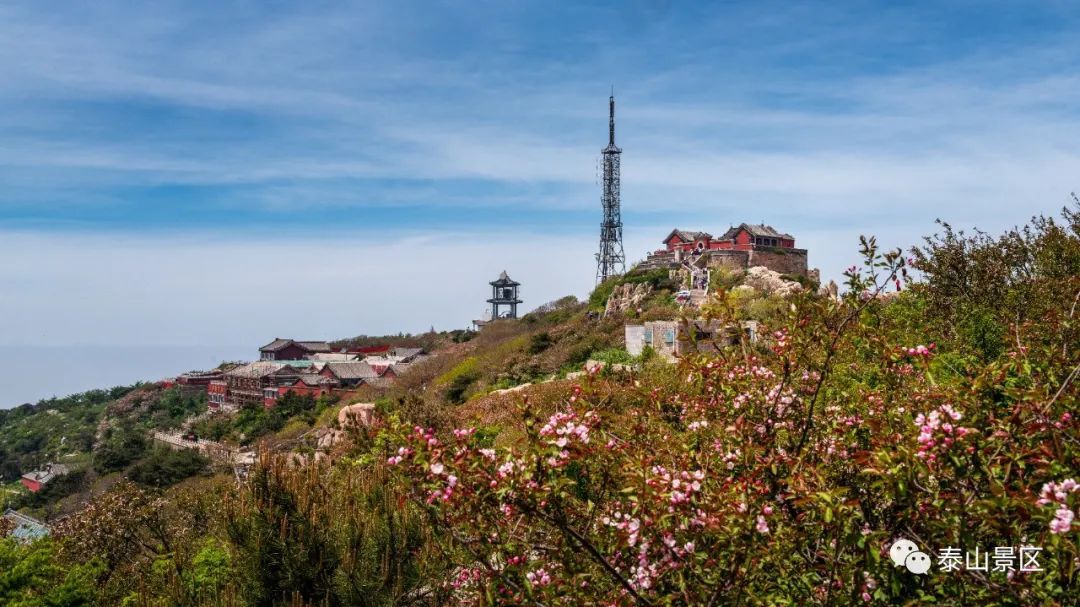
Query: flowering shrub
[773, 473]
[942, 412]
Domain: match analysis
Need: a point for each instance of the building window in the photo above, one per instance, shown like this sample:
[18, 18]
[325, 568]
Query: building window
[648, 336]
[669, 336]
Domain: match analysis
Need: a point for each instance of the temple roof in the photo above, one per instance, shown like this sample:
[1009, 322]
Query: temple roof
[310, 346]
[686, 235]
[504, 280]
[756, 230]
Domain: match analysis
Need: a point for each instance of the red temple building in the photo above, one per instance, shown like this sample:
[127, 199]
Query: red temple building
[739, 248]
[744, 237]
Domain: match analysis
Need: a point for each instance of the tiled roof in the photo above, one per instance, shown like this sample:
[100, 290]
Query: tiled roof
[256, 369]
[352, 370]
[406, 353]
[504, 280]
[687, 235]
[50, 472]
[310, 346]
[275, 345]
[334, 356]
[316, 380]
[759, 229]
[27, 528]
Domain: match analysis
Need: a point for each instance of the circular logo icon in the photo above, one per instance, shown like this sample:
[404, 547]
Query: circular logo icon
[917, 562]
[900, 550]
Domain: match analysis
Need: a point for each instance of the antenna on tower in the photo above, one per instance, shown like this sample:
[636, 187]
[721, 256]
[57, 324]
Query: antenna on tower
[611, 260]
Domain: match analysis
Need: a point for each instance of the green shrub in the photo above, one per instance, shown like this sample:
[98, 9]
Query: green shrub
[539, 342]
[123, 445]
[165, 467]
[612, 356]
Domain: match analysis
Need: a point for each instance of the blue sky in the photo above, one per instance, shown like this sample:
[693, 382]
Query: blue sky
[196, 173]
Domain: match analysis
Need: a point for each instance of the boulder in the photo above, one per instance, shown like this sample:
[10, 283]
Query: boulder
[326, 438]
[770, 282]
[360, 414]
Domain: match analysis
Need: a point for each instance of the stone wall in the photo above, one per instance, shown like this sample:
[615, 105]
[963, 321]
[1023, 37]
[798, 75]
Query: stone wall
[778, 259]
[784, 261]
[729, 259]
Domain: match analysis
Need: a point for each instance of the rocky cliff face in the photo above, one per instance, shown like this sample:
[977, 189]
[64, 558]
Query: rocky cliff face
[627, 297]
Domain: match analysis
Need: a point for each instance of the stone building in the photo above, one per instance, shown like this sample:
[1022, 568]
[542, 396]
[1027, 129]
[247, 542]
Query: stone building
[672, 338]
[739, 248]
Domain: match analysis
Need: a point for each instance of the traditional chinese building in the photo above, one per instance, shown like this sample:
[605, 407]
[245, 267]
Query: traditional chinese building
[37, 479]
[25, 528]
[740, 247]
[307, 385]
[288, 349]
[248, 385]
[504, 294]
[350, 374]
[744, 237]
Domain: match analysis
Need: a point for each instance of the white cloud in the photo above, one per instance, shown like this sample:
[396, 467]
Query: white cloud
[173, 290]
[303, 110]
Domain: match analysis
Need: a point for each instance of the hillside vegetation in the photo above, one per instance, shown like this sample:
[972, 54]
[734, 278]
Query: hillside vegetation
[935, 401]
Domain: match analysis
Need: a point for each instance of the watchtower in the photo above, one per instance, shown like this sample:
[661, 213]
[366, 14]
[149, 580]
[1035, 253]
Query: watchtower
[504, 292]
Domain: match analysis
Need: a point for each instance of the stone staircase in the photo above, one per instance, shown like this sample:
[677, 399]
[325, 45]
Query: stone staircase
[698, 297]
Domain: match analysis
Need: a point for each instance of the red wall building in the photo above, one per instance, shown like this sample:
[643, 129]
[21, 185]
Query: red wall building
[743, 237]
[33, 485]
[217, 392]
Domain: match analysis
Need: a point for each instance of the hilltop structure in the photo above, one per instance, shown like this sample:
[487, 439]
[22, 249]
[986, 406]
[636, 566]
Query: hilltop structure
[504, 292]
[739, 248]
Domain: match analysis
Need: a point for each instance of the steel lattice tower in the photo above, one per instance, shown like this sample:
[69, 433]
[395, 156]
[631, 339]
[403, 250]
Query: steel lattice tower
[611, 261]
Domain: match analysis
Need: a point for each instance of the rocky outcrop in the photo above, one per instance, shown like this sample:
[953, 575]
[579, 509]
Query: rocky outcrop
[327, 438]
[770, 282]
[627, 297]
[358, 415]
[830, 290]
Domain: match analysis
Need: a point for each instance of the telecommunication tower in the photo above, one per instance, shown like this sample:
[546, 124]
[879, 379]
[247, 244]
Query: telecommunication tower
[611, 261]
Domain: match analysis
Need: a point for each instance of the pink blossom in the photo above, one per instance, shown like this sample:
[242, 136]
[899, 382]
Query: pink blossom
[540, 577]
[762, 525]
[1062, 522]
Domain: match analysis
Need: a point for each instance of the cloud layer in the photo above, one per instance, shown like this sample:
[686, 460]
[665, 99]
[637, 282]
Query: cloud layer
[168, 167]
